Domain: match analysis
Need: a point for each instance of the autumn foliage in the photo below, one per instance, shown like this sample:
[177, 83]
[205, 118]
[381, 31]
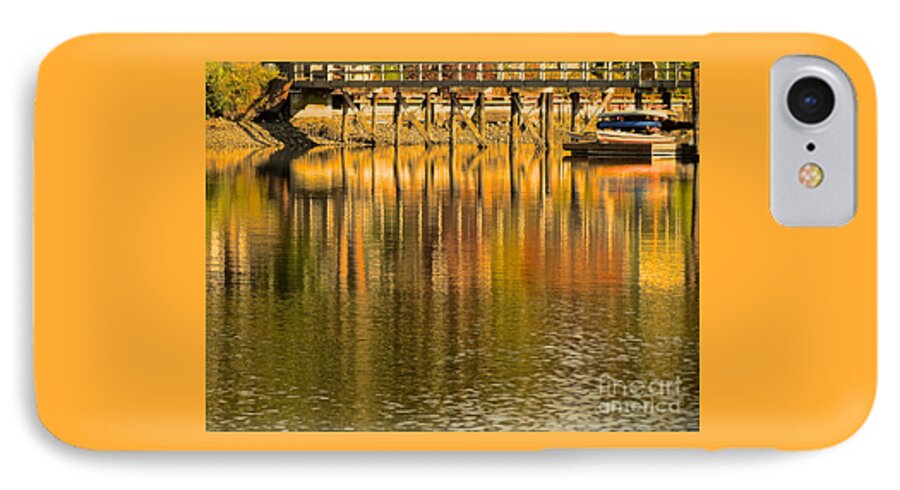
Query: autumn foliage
[232, 88]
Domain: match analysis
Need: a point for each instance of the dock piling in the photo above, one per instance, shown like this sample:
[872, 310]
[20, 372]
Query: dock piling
[398, 107]
[479, 113]
[429, 112]
[344, 110]
[374, 98]
[542, 115]
[453, 109]
[548, 120]
[514, 106]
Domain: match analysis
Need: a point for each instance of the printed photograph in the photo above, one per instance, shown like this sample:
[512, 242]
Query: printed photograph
[452, 246]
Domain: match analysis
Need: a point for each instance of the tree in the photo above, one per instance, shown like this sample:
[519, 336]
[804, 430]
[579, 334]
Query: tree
[231, 88]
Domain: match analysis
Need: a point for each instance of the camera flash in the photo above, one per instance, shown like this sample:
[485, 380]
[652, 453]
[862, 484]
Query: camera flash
[811, 175]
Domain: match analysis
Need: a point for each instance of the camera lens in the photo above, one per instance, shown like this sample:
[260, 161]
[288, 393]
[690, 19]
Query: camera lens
[811, 100]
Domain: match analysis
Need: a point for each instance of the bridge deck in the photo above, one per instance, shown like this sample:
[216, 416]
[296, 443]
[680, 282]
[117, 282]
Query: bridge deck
[425, 84]
[649, 75]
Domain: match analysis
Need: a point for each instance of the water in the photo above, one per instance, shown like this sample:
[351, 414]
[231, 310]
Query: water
[363, 290]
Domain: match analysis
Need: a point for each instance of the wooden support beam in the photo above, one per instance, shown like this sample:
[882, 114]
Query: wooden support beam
[638, 99]
[514, 106]
[548, 119]
[482, 117]
[542, 114]
[575, 97]
[374, 98]
[344, 109]
[453, 109]
[431, 116]
[398, 107]
[428, 112]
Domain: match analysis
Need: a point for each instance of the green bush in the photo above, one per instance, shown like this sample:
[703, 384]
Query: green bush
[231, 88]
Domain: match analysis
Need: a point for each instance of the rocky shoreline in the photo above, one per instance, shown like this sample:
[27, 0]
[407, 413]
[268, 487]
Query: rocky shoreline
[324, 131]
[222, 134]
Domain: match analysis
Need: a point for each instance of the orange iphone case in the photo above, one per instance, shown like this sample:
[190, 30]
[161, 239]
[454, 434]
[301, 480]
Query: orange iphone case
[438, 242]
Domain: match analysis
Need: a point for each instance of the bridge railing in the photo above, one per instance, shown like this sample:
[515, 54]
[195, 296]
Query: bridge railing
[485, 72]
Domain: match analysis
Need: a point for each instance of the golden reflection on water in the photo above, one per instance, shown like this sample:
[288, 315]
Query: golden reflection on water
[433, 290]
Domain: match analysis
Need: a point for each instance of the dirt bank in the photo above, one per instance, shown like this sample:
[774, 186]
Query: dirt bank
[326, 131]
[224, 134]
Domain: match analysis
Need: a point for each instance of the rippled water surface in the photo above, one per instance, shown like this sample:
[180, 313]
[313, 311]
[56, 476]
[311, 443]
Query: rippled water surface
[436, 291]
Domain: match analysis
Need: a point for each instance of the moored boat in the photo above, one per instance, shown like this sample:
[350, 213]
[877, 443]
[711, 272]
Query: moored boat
[633, 138]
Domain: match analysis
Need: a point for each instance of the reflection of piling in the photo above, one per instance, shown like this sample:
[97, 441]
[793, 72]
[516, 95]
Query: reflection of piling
[512, 169]
[429, 176]
[397, 171]
[544, 175]
[343, 168]
[695, 214]
[452, 164]
[374, 178]
[480, 181]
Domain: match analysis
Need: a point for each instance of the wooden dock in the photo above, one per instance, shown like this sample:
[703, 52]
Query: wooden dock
[538, 98]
